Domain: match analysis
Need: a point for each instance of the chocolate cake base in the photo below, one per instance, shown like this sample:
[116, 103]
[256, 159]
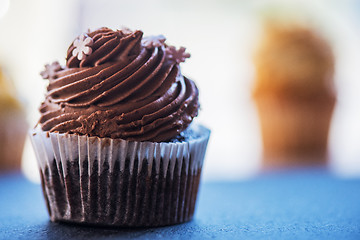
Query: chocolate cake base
[138, 198]
[114, 182]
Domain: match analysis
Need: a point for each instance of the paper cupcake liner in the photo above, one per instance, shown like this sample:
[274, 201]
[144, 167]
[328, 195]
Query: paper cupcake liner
[114, 182]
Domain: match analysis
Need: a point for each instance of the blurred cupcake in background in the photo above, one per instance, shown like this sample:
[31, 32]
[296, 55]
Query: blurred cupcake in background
[13, 126]
[294, 94]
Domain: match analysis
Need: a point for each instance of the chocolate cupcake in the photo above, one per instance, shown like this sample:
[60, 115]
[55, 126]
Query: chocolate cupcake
[115, 143]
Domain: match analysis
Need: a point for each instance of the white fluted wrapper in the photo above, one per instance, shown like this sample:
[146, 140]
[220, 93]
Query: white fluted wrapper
[115, 182]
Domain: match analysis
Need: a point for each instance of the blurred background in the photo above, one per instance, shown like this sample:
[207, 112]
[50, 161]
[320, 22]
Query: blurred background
[238, 50]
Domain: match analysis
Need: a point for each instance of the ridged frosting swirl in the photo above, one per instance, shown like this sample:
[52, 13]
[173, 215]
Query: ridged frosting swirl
[117, 84]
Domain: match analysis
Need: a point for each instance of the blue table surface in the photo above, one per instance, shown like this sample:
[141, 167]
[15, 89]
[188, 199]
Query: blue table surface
[298, 204]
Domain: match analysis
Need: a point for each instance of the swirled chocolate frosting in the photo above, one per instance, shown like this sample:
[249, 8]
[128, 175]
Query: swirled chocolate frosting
[118, 84]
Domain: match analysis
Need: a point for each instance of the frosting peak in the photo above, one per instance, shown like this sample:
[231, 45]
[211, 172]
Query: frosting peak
[117, 84]
[103, 45]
